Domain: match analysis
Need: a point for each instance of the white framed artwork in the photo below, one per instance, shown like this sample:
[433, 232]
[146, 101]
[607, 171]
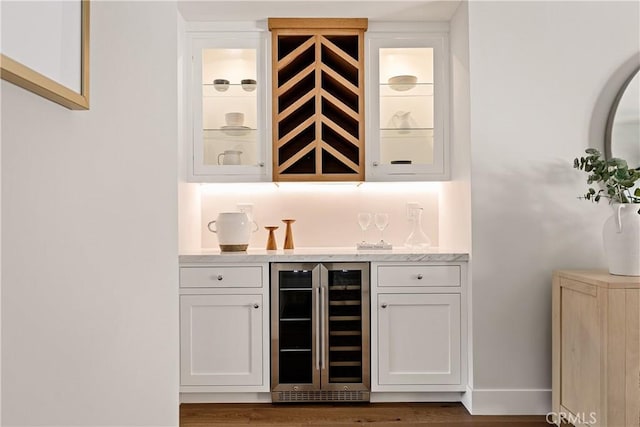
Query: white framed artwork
[45, 49]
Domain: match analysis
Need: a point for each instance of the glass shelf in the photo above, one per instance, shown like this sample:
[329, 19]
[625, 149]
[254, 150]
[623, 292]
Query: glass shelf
[404, 133]
[234, 90]
[420, 89]
[232, 132]
[235, 135]
[230, 86]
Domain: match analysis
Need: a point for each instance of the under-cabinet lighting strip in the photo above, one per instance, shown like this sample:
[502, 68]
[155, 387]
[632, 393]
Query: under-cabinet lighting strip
[317, 187]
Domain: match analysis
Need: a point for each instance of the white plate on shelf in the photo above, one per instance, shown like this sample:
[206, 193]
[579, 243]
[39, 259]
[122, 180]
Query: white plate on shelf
[402, 83]
[235, 130]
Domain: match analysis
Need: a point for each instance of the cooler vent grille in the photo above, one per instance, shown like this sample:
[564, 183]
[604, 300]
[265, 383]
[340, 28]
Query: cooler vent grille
[320, 396]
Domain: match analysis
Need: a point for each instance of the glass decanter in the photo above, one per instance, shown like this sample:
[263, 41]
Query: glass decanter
[417, 239]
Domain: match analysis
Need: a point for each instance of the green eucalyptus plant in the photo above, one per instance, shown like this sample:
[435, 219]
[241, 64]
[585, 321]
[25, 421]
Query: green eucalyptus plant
[614, 176]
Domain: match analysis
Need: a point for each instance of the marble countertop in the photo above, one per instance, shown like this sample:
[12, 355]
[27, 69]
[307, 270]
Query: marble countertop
[323, 254]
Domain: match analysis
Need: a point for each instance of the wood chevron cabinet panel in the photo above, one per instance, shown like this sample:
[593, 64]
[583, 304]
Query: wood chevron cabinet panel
[318, 99]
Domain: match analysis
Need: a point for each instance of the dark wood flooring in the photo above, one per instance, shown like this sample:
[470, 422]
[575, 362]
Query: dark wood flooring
[371, 414]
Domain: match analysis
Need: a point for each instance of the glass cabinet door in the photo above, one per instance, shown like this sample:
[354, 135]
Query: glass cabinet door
[407, 108]
[294, 327]
[346, 326]
[406, 105]
[229, 87]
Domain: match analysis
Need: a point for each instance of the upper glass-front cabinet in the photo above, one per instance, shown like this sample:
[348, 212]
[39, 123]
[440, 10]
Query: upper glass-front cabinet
[229, 118]
[408, 127]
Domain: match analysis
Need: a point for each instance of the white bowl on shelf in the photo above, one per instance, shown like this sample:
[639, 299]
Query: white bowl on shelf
[403, 82]
[221, 85]
[248, 85]
[234, 119]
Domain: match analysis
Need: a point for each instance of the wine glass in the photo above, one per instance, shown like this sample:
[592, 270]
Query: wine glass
[364, 221]
[381, 220]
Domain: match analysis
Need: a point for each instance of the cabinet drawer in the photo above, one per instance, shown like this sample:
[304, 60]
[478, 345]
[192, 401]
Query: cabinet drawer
[221, 277]
[418, 275]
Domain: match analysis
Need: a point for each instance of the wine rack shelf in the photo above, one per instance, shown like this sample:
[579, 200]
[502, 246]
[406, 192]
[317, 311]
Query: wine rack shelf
[318, 99]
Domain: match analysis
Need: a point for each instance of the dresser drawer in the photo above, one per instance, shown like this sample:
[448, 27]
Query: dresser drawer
[418, 275]
[221, 277]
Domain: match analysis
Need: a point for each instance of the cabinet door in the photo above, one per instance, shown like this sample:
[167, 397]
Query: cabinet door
[580, 358]
[345, 340]
[318, 99]
[221, 340]
[295, 327]
[418, 339]
[407, 107]
[229, 108]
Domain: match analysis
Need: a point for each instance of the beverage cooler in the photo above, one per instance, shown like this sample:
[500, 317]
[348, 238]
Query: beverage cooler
[320, 332]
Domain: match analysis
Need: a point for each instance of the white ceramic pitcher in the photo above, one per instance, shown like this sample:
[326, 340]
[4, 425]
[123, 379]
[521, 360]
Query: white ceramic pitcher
[230, 157]
[402, 121]
[233, 230]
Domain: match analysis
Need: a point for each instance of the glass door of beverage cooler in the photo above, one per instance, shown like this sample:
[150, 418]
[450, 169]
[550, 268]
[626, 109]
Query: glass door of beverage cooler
[295, 323]
[345, 326]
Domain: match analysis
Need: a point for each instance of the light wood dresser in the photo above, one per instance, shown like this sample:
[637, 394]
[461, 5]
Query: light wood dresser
[596, 348]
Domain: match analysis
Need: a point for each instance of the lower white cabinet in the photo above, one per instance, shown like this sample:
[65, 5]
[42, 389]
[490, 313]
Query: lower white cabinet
[418, 327]
[418, 339]
[224, 328]
[221, 340]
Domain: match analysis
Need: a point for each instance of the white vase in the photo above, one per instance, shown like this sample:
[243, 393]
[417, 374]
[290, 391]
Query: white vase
[621, 236]
[233, 230]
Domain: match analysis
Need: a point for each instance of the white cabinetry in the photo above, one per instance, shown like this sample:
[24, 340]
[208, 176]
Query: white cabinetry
[228, 107]
[224, 328]
[407, 106]
[222, 337]
[419, 339]
[419, 330]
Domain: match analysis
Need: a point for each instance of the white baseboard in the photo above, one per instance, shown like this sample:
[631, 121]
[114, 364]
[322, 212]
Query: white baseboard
[467, 400]
[507, 401]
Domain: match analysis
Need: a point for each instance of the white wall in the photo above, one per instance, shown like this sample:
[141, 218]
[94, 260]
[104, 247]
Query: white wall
[1, 315]
[455, 195]
[537, 72]
[189, 211]
[89, 242]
